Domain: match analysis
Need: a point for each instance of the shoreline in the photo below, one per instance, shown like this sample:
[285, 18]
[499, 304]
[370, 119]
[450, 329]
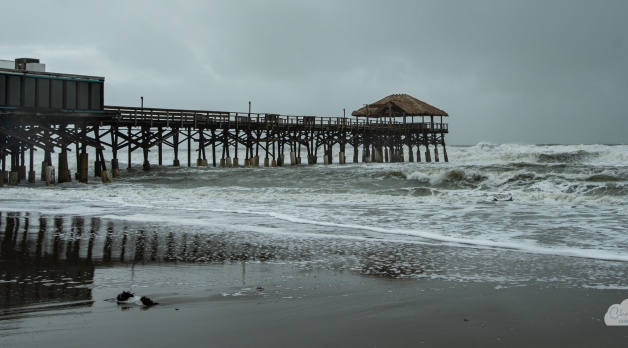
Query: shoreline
[243, 304]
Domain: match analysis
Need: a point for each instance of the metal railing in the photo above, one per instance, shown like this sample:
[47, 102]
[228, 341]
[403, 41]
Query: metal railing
[197, 118]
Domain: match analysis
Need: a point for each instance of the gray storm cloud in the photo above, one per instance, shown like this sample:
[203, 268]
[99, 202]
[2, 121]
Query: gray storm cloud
[505, 71]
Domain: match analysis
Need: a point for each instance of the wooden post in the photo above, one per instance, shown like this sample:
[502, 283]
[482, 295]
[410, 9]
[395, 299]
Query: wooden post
[213, 147]
[3, 172]
[160, 135]
[115, 167]
[175, 145]
[436, 159]
[22, 168]
[31, 173]
[145, 148]
[428, 157]
[84, 167]
[189, 146]
[129, 146]
[237, 134]
[63, 166]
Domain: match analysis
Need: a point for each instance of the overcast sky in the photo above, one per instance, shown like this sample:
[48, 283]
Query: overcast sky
[533, 71]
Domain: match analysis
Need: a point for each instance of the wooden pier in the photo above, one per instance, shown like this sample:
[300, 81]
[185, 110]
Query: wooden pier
[81, 123]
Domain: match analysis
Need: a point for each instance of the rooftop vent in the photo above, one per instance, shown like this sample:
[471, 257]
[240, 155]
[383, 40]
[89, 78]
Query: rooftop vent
[30, 64]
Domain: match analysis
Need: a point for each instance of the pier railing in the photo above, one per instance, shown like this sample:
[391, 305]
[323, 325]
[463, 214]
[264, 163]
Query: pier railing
[197, 118]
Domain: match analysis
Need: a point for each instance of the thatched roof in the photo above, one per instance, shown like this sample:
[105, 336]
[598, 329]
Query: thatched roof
[399, 105]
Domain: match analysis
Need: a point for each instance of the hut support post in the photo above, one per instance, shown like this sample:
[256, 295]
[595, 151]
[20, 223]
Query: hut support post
[436, 159]
[341, 154]
[428, 157]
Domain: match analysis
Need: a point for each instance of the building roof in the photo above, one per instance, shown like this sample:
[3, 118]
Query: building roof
[398, 105]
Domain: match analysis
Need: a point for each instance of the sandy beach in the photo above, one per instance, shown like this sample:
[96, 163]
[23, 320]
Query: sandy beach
[278, 305]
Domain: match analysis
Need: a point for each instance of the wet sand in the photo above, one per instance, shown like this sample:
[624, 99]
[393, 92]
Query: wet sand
[59, 278]
[267, 304]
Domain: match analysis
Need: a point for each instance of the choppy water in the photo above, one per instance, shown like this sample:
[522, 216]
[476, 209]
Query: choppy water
[565, 226]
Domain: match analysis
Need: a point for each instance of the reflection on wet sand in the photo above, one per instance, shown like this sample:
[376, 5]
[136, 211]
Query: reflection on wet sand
[33, 271]
[53, 258]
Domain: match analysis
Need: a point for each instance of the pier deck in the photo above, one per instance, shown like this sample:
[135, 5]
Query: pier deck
[229, 135]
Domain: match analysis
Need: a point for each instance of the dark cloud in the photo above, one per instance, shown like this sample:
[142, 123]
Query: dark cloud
[534, 71]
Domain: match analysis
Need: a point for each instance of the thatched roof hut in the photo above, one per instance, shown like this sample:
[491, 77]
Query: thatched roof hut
[398, 105]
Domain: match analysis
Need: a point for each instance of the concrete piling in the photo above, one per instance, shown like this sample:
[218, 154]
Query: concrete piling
[293, 158]
[115, 168]
[14, 178]
[428, 157]
[272, 134]
[50, 175]
[105, 176]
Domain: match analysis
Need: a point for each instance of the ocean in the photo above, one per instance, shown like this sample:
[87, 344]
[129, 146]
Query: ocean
[552, 216]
